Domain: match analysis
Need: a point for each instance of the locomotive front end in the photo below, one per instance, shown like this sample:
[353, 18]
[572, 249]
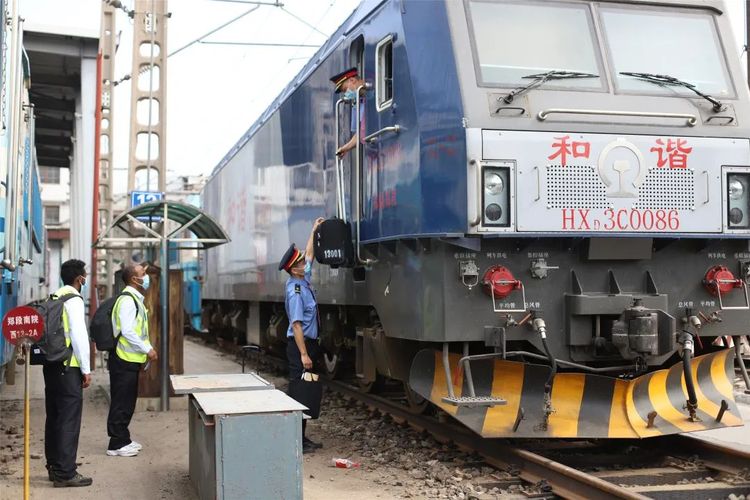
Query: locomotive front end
[608, 186]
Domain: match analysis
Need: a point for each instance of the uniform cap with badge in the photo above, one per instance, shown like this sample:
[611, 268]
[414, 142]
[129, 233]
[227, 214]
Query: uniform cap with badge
[339, 79]
[291, 257]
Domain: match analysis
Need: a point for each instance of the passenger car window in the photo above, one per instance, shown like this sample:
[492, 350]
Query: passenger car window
[508, 47]
[681, 44]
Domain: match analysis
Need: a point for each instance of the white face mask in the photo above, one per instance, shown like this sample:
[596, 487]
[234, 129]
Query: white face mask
[85, 288]
[145, 282]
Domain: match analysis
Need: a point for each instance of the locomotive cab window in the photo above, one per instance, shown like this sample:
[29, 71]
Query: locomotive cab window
[683, 45]
[384, 73]
[509, 51]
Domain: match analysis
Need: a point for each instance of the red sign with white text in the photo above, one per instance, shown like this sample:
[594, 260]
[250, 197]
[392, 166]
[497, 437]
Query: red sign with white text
[21, 323]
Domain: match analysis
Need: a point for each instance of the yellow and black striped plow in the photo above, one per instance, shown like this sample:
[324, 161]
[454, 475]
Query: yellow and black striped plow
[584, 405]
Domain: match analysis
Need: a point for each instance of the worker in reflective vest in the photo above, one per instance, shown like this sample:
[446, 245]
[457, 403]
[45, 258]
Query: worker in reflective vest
[132, 351]
[64, 382]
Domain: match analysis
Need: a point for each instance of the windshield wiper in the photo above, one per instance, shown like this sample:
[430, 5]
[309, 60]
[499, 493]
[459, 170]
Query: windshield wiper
[670, 80]
[540, 78]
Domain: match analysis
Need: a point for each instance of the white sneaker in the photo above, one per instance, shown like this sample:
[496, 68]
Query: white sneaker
[135, 444]
[126, 451]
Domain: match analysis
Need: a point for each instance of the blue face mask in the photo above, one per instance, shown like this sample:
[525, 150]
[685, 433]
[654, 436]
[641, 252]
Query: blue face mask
[350, 95]
[308, 267]
[146, 282]
[85, 289]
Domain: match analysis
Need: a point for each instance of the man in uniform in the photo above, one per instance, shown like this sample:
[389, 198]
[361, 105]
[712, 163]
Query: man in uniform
[348, 82]
[302, 350]
[64, 382]
[133, 350]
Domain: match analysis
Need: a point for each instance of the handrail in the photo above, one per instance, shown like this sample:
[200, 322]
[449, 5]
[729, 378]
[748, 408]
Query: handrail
[692, 120]
[478, 205]
[340, 205]
[371, 138]
[358, 196]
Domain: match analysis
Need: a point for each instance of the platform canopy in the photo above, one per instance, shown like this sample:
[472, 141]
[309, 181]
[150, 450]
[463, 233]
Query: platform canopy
[207, 232]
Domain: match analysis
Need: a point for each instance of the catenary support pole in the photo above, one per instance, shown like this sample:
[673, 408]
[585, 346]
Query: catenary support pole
[164, 289]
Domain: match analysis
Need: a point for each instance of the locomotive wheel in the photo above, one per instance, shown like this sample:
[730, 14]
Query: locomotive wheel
[416, 403]
[332, 364]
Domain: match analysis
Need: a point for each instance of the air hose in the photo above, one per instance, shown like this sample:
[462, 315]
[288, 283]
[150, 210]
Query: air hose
[686, 339]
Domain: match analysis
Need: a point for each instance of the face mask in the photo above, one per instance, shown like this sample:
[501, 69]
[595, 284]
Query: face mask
[308, 266]
[145, 282]
[350, 95]
[85, 288]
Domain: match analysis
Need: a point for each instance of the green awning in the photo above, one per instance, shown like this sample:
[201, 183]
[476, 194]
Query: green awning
[207, 232]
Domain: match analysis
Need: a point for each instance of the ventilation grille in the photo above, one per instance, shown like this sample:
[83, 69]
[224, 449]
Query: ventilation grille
[575, 186]
[672, 189]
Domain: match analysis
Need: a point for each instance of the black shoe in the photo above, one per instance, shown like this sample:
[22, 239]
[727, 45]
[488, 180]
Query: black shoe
[75, 481]
[311, 444]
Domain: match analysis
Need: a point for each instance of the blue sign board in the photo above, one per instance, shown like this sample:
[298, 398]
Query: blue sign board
[141, 197]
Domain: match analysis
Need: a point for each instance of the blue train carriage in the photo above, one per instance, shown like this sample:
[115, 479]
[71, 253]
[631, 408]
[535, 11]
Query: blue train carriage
[549, 209]
[23, 236]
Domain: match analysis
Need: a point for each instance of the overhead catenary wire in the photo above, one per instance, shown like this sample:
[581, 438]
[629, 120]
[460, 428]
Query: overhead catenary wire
[198, 40]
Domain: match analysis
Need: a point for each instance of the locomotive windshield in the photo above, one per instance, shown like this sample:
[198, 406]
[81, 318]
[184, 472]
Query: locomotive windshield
[508, 47]
[676, 42]
[681, 44]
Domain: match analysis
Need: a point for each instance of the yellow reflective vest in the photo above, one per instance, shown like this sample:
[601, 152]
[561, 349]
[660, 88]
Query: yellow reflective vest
[67, 290]
[125, 349]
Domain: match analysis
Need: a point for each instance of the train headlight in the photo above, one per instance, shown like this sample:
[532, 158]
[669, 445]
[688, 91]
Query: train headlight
[493, 183]
[736, 188]
[495, 196]
[738, 200]
[493, 212]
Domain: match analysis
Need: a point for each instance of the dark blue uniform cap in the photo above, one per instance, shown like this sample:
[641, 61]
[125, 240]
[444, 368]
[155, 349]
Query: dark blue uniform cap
[291, 256]
[338, 80]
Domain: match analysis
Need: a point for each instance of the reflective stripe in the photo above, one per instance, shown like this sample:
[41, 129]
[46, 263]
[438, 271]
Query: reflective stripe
[66, 290]
[125, 349]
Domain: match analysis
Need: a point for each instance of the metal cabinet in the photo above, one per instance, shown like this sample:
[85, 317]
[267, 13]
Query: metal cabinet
[245, 438]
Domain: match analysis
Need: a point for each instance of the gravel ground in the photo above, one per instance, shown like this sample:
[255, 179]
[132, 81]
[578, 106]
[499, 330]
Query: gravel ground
[395, 460]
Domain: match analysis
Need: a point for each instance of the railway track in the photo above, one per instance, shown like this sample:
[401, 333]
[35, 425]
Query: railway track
[674, 467]
[670, 467]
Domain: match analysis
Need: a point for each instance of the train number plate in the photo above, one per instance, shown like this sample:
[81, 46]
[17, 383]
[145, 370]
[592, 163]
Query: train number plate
[623, 219]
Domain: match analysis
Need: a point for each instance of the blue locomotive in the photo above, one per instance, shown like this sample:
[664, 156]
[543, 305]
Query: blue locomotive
[23, 237]
[548, 204]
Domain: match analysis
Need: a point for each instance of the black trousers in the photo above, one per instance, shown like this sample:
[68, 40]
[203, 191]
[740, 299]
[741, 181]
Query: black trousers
[294, 358]
[123, 383]
[295, 362]
[63, 401]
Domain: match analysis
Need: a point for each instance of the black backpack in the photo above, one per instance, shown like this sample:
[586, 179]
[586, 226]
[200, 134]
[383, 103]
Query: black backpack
[52, 346]
[101, 331]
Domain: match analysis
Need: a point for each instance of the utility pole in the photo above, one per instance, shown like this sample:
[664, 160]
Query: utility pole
[105, 145]
[148, 103]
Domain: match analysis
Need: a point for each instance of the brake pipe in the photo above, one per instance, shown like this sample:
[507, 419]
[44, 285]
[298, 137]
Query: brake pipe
[686, 339]
[540, 326]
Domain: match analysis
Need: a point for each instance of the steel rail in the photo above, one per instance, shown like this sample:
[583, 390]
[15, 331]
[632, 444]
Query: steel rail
[565, 481]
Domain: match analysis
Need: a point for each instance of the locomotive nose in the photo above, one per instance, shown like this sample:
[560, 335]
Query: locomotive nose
[584, 405]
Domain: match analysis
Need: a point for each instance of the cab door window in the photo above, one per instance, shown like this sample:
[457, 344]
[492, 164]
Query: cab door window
[384, 73]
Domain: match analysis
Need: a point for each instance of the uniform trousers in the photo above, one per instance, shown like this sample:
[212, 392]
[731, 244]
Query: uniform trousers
[123, 382]
[296, 368]
[63, 401]
[294, 357]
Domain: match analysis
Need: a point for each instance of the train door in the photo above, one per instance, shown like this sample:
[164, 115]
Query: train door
[382, 139]
[346, 122]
